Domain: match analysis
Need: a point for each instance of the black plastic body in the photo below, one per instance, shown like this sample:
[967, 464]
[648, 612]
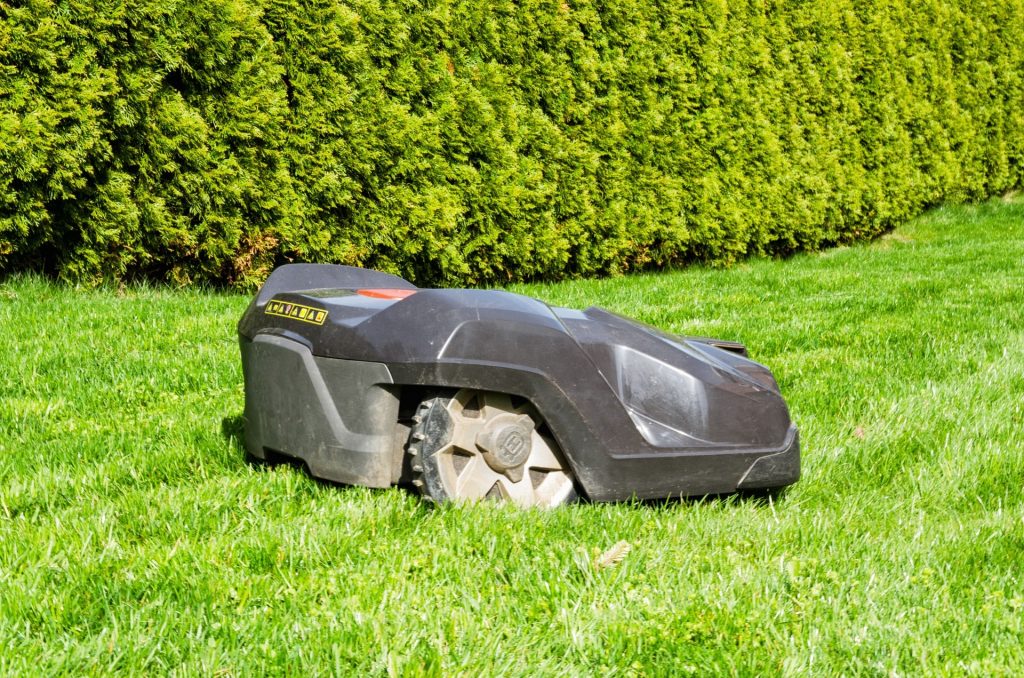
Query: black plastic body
[637, 412]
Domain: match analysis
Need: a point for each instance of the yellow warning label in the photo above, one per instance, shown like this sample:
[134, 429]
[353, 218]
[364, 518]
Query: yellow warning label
[286, 309]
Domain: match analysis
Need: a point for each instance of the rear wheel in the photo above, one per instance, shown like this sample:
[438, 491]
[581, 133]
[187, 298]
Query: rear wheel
[482, 445]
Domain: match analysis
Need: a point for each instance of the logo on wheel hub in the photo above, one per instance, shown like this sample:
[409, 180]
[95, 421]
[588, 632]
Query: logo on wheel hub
[506, 442]
[512, 447]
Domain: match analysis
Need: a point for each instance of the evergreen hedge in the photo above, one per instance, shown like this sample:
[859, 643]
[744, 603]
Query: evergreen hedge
[489, 140]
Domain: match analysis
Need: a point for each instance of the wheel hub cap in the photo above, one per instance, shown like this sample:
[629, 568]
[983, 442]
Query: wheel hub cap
[505, 443]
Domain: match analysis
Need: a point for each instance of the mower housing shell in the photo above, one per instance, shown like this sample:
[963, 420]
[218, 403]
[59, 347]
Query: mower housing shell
[327, 351]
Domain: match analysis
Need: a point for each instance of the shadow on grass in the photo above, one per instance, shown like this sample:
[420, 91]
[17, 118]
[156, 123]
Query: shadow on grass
[233, 429]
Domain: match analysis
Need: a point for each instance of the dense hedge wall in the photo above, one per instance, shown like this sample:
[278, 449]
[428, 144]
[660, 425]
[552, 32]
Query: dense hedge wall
[488, 140]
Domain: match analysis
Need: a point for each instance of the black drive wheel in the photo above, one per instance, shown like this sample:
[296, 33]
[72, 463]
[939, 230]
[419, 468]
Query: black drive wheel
[483, 445]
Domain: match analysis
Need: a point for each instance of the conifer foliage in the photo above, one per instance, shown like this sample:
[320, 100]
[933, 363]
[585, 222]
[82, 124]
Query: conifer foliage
[475, 141]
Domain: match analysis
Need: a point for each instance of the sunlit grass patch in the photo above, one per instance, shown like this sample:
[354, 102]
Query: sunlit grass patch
[137, 539]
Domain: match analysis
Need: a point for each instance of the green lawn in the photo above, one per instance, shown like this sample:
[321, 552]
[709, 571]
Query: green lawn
[135, 538]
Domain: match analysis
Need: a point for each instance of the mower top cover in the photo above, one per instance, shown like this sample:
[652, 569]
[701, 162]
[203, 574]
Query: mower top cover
[472, 394]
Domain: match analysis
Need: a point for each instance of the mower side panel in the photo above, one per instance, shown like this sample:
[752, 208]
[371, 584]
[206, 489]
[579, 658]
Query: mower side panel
[584, 424]
[333, 414]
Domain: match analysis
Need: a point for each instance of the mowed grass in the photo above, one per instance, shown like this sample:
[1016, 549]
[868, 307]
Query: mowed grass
[135, 538]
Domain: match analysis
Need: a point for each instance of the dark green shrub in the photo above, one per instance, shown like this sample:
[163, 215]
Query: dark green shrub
[481, 141]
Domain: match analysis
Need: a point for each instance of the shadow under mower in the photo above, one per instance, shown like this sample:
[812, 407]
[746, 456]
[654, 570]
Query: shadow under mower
[472, 394]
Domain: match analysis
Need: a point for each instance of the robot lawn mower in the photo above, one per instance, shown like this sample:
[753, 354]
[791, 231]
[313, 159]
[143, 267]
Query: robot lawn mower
[473, 394]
